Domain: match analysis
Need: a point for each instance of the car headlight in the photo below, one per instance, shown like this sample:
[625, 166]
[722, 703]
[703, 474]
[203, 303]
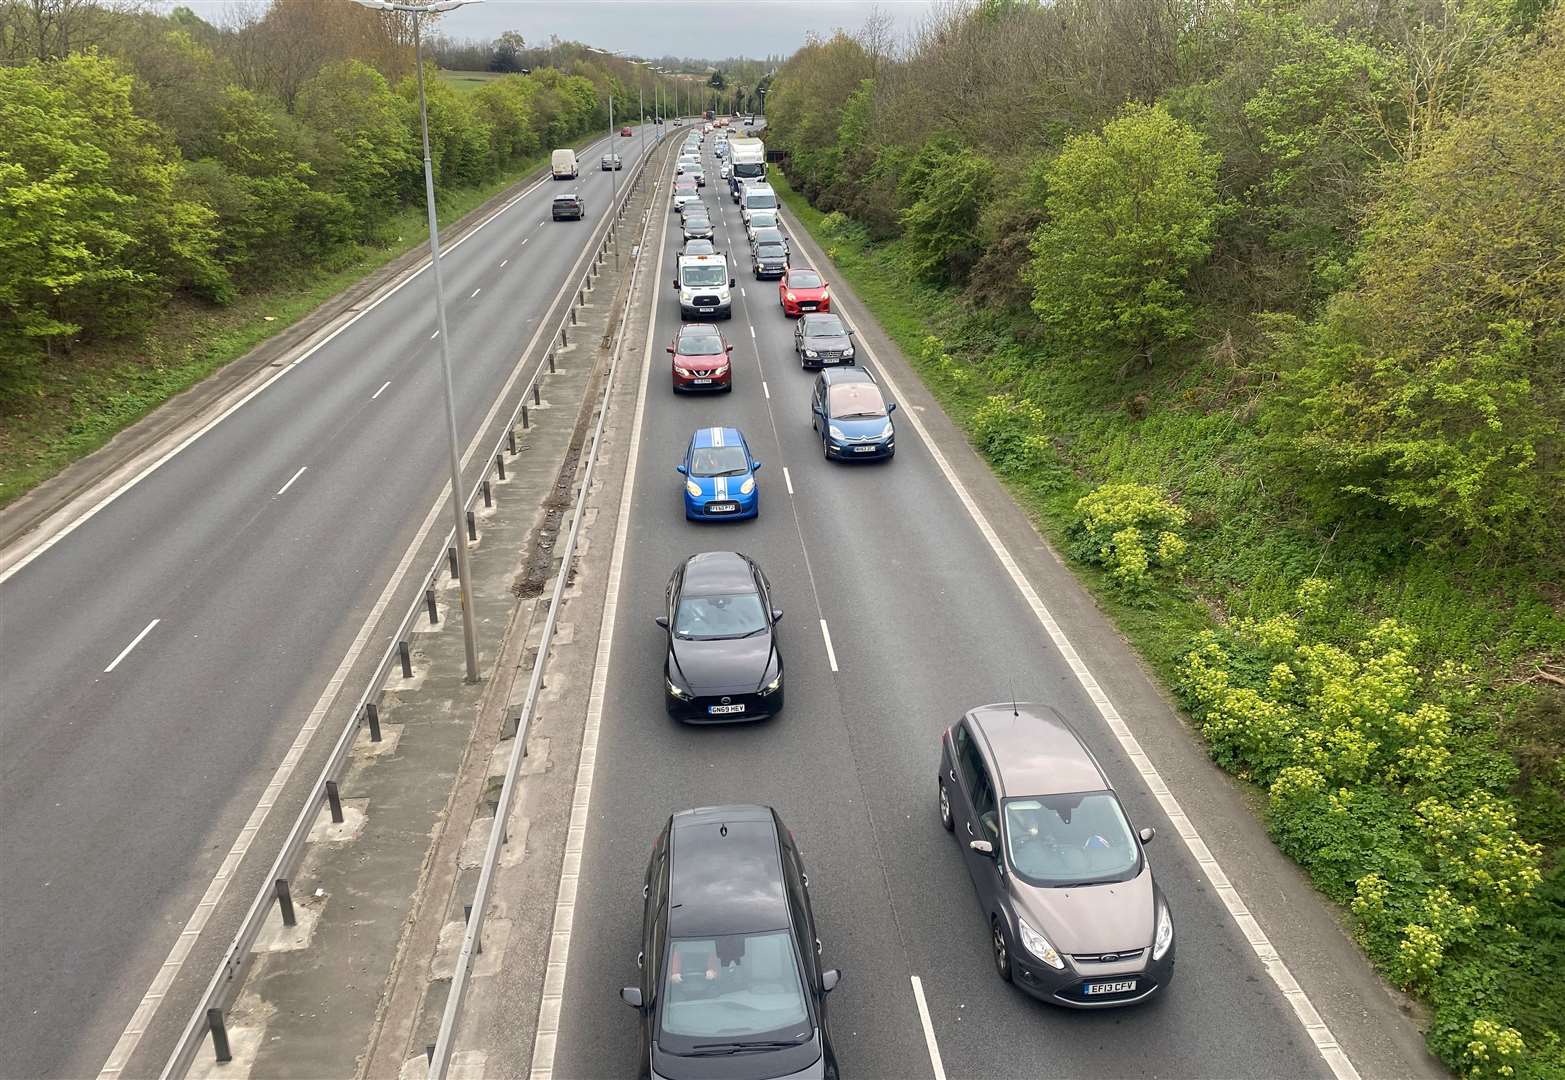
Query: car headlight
[789, 296]
[848, 351]
[677, 691]
[1164, 938]
[773, 686]
[694, 489]
[1039, 946]
[836, 432]
[825, 294]
[889, 431]
[748, 485]
[809, 352]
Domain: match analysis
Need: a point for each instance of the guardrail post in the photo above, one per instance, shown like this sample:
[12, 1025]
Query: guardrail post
[334, 800]
[407, 659]
[429, 599]
[563, 339]
[510, 443]
[285, 902]
[488, 495]
[372, 714]
[472, 526]
[478, 938]
[451, 559]
[536, 399]
[524, 417]
[499, 462]
[551, 362]
[573, 316]
[214, 1021]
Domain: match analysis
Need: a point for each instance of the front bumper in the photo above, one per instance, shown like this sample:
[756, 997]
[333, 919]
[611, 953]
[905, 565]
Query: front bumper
[799, 307]
[845, 450]
[815, 363]
[721, 311]
[744, 506]
[698, 709]
[1067, 987]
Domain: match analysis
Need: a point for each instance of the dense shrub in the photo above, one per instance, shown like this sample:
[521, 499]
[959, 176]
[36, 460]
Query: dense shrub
[941, 224]
[1010, 431]
[1130, 530]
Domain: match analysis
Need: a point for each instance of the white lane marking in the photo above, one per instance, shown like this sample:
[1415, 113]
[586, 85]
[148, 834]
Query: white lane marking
[831, 654]
[525, 239]
[147, 1009]
[546, 1032]
[476, 291]
[433, 336]
[1314, 1026]
[66, 530]
[752, 331]
[291, 479]
[767, 390]
[134, 642]
[742, 292]
[382, 390]
[503, 262]
[929, 1030]
[788, 479]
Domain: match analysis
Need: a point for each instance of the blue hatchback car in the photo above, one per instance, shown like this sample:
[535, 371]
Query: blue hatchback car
[719, 476]
[852, 416]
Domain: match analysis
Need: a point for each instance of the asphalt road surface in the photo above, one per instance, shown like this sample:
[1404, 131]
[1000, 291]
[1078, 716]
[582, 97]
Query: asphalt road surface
[923, 624]
[259, 549]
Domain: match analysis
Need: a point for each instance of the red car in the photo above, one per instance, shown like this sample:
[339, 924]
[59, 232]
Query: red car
[803, 290]
[701, 359]
[625, 131]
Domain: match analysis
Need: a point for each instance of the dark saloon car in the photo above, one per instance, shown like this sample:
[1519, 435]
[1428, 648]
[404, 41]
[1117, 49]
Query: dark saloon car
[731, 985]
[698, 227]
[612, 163]
[822, 339]
[1074, 915]
[568, 207]
[852, 417]
[722, 664]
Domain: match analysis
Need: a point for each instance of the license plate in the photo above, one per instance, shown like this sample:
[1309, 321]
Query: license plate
[806, 307]
[864, 449]
[705, 307]
[724, 710]
[721, 507]
[700, 382]
[1125, 987]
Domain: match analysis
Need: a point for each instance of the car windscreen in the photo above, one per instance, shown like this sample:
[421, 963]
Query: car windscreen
[699, 247]
[695, 343]
[702, 275]
[824, 326]
[769, 236]
[804, 279]
[771, 251]
[760, 202]
[856, 401]
[719, 461]
[763, 219]
[733, 988]
[731, 615]
[1076, 839]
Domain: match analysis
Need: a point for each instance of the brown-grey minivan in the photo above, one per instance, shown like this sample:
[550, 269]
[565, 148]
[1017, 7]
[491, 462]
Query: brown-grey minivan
[1075, 917]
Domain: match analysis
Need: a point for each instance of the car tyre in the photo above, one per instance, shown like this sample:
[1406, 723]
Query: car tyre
[1000, 949]
[945, 809]
[826, 447]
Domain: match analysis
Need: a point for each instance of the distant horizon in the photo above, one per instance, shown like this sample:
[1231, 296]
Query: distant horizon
[754, 30]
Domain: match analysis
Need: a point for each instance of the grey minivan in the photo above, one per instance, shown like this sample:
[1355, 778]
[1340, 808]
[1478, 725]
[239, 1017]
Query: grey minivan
[1075, 917]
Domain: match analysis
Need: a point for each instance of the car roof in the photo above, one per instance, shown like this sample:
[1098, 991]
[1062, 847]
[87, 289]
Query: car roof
[717, 572]
[696, 329]
[812, 319]
[792, 270]
[1035, 751]
[838, 376]
[716, 436]
[567, 197]
[725, 872]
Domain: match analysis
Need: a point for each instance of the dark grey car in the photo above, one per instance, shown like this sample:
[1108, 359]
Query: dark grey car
[769, 259]
[568, 207]
[1074, 915]
[698, 227]
[821, 339]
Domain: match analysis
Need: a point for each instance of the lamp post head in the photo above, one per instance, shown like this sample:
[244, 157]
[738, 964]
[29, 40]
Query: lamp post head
[434, 7]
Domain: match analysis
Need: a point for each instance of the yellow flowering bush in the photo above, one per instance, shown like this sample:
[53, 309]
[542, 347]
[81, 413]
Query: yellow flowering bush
[1011, 432]
[1493, 1051]
[1129, 530]
[1478, 847]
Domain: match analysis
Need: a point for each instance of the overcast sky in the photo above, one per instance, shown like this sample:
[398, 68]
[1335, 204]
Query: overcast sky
[756, 28]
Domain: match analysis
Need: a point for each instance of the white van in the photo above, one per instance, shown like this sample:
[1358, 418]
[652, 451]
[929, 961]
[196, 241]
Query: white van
[563, 164]
[705, 286]
[756, 197]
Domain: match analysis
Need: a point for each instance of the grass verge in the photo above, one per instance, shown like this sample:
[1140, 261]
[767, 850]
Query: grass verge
[1425, 852]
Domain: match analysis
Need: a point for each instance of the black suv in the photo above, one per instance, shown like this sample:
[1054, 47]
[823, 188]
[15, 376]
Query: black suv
[569, 207]
[731, 983]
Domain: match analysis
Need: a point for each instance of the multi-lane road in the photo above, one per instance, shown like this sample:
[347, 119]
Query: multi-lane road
[898, 616]
[161, 658]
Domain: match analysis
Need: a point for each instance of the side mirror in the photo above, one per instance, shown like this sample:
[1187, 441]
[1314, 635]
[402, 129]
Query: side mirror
[631, 995]
[732, 282]
[676, 283]
[728, 348]
[1147, 834]
[983, 847]
[891, 407]
[755, 466]
[662, 620]
[776, 614]
[670, 349]
[681, 470]
[829, 979]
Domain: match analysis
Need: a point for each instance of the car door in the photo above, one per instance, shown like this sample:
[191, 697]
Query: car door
[818, 405]
[988, 876]
[798, 336]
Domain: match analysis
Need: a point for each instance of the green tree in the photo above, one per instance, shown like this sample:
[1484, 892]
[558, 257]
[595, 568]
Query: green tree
[1130, 213]
[367, 144]
[942, 225]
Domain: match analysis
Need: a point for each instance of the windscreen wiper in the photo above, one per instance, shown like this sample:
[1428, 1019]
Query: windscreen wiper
[705, 1049]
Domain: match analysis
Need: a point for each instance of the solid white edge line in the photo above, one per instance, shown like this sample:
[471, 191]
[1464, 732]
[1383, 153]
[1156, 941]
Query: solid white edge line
[133, 643]
[291, 479]
[929, 1030]
[147, 1008]
[390, 291]
[1314, 1026]
[831, 654]
[546, 1032]
[787, 479]
[382, 390]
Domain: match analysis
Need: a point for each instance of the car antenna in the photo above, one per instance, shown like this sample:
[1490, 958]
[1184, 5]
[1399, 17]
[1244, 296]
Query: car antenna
[1014, 710]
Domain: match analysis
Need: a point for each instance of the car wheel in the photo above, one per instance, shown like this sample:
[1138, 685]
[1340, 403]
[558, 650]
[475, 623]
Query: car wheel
[1001, 950]
[945, 809]
[826, 447]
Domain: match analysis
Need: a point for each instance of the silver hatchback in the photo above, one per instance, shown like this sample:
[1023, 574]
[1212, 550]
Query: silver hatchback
[1075, 917]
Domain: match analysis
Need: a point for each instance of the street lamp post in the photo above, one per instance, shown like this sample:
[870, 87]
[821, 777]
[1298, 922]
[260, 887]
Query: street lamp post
[459, 538]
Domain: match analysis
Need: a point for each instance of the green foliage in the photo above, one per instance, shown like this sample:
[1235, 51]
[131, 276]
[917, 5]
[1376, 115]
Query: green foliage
[1130, 530]
[368, 148]
[1130, 213]
[1010, 431]
[941, 224]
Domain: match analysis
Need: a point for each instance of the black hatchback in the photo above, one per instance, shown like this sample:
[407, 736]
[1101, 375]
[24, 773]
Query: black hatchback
[731, 980]
[723, 664]
[568, 207]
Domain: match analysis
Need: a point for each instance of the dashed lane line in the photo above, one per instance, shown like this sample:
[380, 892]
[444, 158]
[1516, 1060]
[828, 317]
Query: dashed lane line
[134, 642]
[292, 478]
